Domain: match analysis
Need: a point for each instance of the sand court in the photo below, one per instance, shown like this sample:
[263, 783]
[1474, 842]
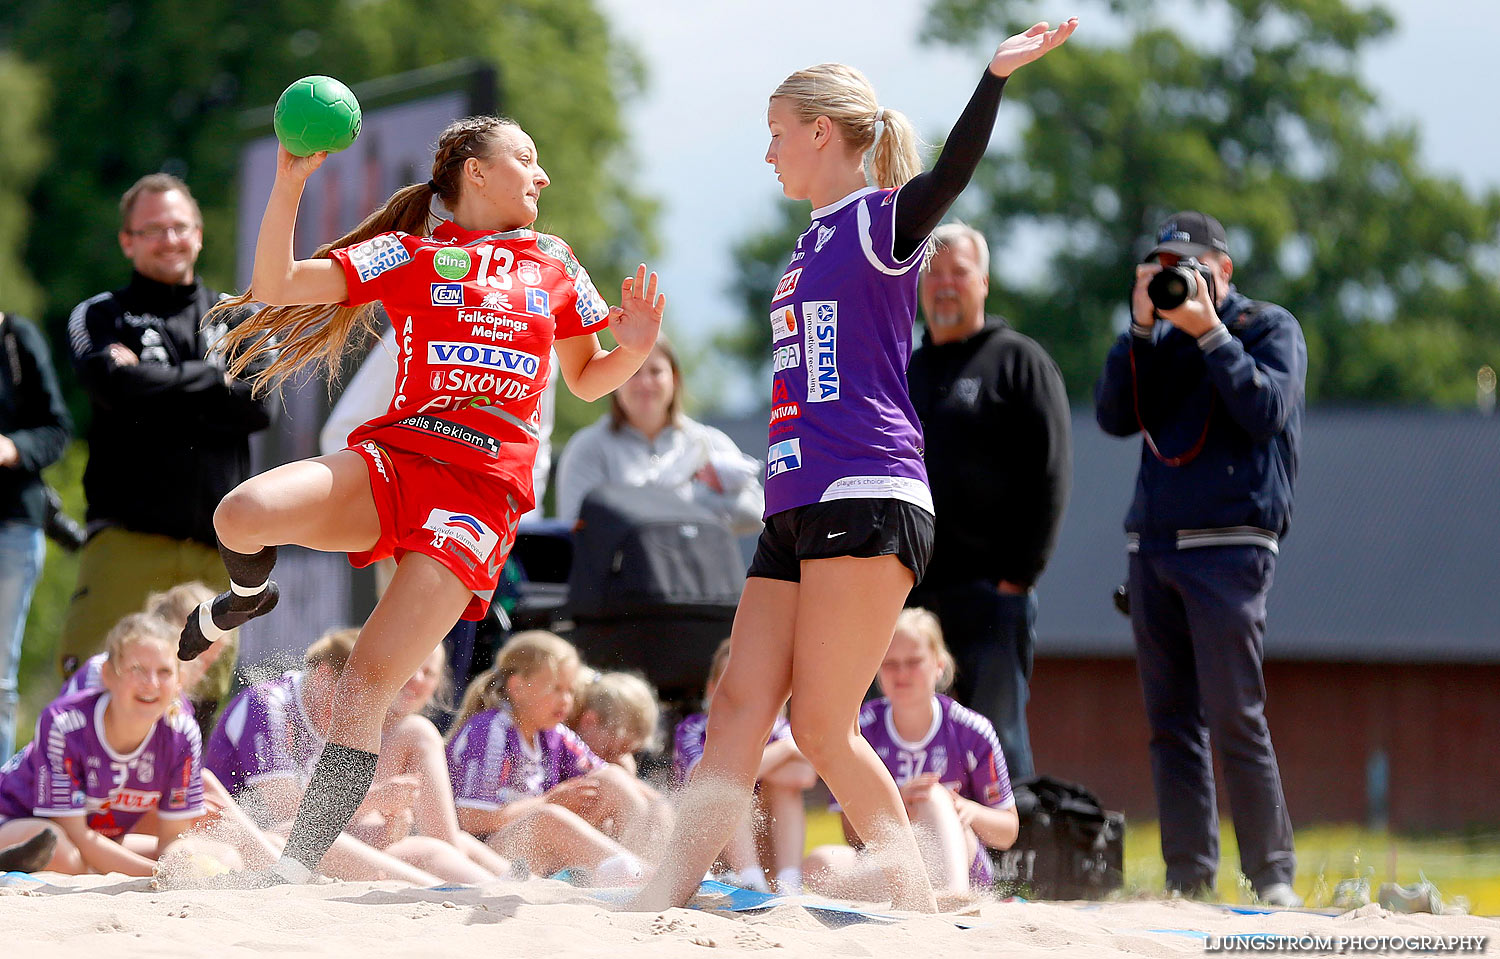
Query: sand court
[72, 917]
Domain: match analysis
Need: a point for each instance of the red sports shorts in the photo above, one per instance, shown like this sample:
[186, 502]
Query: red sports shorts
[464, 521]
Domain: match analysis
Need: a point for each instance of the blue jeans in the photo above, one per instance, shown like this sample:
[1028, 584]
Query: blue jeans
[22, 549]
[992, 636]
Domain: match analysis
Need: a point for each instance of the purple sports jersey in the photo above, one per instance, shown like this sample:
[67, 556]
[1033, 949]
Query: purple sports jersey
[70, 769]
[842, 425]
[91, 676]
[692, 732]
[265, 733]
[959, 747]
[491, 765]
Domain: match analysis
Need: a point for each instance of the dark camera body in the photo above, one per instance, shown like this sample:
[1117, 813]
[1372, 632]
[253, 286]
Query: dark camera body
[1175, 285]
[61, 528]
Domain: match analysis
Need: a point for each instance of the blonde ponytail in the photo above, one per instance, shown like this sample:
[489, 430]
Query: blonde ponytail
[896, 156]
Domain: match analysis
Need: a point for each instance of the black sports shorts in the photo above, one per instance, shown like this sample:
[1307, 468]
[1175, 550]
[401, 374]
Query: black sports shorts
[843, 527]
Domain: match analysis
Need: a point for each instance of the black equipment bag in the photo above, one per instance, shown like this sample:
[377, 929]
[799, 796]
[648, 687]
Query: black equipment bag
[653, 585]
[1069, 847]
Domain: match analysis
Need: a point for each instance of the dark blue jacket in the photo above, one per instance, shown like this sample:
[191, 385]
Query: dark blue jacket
[1238, 399]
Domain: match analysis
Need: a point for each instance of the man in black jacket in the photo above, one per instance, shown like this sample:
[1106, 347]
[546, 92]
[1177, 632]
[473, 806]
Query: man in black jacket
[34, 431]
[170, 429]
[1216, 393]
[998, 438]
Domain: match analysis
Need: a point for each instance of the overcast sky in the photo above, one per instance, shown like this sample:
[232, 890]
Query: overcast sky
[699, 131]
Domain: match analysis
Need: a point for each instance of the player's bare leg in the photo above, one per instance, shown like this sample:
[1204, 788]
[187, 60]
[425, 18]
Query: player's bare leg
[423, 602]
[846, 612]
[745, 705]
[323, 503]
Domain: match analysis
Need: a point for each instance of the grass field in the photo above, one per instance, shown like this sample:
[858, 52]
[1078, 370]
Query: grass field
[1460, 866]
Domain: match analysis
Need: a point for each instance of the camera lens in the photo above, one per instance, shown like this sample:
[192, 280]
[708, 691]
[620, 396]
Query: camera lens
[1171, 287]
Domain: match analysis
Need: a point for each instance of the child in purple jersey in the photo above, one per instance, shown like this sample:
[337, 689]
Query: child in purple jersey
[172, 607]
[528, 785]
[778, 823]
[103, 759]
[616, 714]
[265, 748]
[947, 763]
[848, 514]
[412, 758]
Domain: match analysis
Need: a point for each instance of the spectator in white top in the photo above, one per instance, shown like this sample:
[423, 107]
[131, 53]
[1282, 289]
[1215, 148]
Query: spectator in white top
[646, 440]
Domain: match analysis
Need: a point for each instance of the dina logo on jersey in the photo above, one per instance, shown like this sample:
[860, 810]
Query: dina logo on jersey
[464, 529]
[788, 284]
[783, 323]
[820, 337]
[783, 456]
[486, 357]
[447, 294]
[781, 417]
[376, 255]
[452, 264]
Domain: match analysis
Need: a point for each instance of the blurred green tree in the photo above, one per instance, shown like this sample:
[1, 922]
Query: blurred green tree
[23, 91]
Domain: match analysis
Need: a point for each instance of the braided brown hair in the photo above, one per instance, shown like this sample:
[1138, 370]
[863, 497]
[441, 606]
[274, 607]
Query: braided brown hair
[317, 335]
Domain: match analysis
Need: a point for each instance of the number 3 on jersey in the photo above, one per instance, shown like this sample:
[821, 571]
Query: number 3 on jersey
[502, 259]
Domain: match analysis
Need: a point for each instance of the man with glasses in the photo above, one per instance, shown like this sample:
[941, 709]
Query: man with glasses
[170, 428]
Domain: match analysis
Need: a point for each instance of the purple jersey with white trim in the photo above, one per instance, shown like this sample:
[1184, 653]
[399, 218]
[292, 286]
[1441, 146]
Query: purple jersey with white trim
[70, 769]
[88, 676]
[491, 764]
[265, 733]
[91, 676]
[960, 748]
[692, 733]
[842, 423]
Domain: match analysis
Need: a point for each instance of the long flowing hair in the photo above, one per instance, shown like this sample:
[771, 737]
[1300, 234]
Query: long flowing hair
[316, 335]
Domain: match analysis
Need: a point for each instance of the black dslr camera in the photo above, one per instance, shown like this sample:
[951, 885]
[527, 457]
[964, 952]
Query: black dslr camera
[1175, 285]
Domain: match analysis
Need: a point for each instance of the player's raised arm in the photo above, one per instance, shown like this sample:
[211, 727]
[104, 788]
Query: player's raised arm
[280, 279]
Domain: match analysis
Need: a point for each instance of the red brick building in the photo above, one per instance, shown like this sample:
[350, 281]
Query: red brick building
[1383, 636]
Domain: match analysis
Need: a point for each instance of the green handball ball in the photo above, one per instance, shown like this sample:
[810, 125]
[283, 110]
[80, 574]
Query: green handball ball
[316, 113]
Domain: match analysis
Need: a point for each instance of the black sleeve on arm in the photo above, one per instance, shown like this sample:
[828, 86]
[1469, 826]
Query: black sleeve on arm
[926, 199]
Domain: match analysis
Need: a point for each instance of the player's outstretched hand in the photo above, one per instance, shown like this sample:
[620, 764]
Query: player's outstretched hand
[636, 322]
[1034, 44]
[297, 169]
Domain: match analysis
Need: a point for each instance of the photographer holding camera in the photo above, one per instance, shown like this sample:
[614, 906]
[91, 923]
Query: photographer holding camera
[1217, 393]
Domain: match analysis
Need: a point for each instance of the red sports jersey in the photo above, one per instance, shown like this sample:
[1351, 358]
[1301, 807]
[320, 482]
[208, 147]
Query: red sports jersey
[475, 314]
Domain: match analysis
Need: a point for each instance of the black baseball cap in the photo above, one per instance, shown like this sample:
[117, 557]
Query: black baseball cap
[1190, 233]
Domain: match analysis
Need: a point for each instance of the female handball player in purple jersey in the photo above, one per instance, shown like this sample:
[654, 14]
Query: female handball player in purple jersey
[848, 512]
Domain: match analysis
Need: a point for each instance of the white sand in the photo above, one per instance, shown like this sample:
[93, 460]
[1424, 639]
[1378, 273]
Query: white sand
[114, 917]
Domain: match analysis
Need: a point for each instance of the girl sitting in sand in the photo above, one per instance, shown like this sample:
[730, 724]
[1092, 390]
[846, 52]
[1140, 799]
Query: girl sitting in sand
[412, 759]
[947, 763]
[264, 749]
[777, 819]
[529, 785]
[616, 714]
[103, 759]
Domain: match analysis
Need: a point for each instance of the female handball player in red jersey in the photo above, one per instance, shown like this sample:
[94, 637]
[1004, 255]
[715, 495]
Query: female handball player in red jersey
[441, 479]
